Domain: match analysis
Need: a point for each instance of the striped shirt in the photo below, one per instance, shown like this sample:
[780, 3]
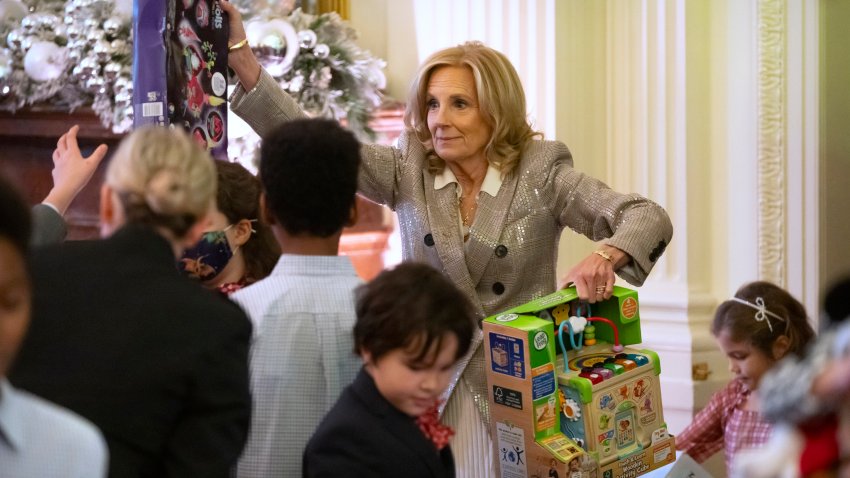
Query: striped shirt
[301, 359]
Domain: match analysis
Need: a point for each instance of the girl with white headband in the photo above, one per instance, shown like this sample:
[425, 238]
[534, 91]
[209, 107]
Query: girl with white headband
[760, 325]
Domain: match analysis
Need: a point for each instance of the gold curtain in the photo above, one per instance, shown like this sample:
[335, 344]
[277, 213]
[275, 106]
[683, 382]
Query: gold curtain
[339, 6]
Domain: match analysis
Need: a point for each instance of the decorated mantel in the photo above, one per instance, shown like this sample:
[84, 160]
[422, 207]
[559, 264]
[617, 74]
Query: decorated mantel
[65, 62]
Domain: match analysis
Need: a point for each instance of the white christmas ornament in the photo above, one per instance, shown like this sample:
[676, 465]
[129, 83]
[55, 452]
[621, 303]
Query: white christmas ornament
[44, 61]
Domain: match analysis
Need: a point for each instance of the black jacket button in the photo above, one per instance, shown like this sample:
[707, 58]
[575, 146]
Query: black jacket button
[498, 288]
[429, 240]
[501, 250]
[656, 253]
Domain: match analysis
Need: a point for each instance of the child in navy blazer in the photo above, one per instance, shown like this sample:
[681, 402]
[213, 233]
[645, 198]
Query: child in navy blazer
[412, 326]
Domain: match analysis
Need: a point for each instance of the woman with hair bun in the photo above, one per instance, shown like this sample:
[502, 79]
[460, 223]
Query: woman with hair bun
[153, 359]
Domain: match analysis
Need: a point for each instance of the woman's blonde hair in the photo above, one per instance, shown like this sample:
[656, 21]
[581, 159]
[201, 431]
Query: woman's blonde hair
[163, 179]
[501, 101]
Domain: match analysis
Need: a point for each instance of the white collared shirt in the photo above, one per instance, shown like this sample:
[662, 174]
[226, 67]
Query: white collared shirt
[491, 185]
[40, 439]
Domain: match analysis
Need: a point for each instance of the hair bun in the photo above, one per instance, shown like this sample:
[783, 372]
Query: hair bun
[165, 193]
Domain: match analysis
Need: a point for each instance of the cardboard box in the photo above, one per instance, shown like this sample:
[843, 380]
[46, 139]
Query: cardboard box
[549, 414]
[522, 381]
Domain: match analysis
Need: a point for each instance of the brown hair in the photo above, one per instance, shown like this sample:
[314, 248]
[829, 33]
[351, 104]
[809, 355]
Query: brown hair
[411, 305]
[238, 198]
[501, 101]
[740, 320]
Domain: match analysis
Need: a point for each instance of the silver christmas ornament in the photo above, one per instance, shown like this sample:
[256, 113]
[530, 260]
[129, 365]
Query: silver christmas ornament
[307, 39]
[29, 23]
[27, 43]
[74, 55]
[94, 35]
[46, 21]
[79, 73]
[102, 50]
[60, 30]
[112, 25]
[123, 84]
[74, 31]
[321, 51]
[89, 65]
[96, 85]
[14, 39]
[111, 70]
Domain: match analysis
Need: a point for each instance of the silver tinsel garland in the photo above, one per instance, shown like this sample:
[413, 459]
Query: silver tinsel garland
[73, 53]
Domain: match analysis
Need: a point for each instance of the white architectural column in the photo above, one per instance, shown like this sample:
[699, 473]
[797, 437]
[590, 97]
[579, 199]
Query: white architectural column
[710, 109]
[788, 146]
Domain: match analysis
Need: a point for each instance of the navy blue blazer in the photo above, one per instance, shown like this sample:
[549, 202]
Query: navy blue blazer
[365, 436]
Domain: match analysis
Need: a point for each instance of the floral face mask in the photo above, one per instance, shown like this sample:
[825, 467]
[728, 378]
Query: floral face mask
[208, 257]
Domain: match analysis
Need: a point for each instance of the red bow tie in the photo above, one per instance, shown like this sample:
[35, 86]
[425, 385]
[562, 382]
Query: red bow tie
[429, 423]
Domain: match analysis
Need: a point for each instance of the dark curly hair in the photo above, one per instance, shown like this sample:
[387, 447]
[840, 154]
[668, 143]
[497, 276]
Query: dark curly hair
[15, 219]
[309, 173]
[238, 198]
[740, 319]
[411, 305]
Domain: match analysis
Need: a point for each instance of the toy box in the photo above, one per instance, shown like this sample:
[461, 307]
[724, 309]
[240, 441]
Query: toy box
[567, 395]
[180, 68]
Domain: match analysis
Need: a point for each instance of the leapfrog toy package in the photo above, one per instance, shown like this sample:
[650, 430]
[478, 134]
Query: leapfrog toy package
[180, 68]
[569, 397]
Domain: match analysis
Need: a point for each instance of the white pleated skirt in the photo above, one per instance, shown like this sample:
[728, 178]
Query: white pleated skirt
[471, 445]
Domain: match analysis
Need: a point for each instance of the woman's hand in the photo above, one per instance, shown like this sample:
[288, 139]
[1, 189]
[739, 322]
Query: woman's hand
[242, 59]
[71, 171]
[594, 275]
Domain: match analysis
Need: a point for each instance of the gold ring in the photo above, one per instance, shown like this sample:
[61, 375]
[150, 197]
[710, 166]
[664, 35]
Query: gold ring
[600, 289]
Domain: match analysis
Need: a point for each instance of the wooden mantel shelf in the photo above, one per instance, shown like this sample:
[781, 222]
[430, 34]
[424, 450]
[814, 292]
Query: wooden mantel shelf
[51, 123]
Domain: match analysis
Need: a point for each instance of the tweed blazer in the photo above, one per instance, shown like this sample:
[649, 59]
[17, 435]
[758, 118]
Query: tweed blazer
[511, 253]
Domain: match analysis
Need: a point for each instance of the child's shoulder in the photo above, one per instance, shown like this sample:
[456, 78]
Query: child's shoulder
[734, 392]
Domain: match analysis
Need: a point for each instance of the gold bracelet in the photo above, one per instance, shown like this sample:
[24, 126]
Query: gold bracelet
[604, 255]
[238, 45]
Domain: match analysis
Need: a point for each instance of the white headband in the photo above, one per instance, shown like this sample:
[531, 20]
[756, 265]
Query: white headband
[761, 311]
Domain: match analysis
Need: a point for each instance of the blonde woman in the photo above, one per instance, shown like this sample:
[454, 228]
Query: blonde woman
[153, 359]
[480, 199]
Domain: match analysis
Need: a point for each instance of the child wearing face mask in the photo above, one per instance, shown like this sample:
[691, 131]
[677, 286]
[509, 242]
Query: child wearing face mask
[239, 249]
[756, 328]
[412, 326]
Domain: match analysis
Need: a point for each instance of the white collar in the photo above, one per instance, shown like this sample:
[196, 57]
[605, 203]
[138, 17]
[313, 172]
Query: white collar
[491, 185]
